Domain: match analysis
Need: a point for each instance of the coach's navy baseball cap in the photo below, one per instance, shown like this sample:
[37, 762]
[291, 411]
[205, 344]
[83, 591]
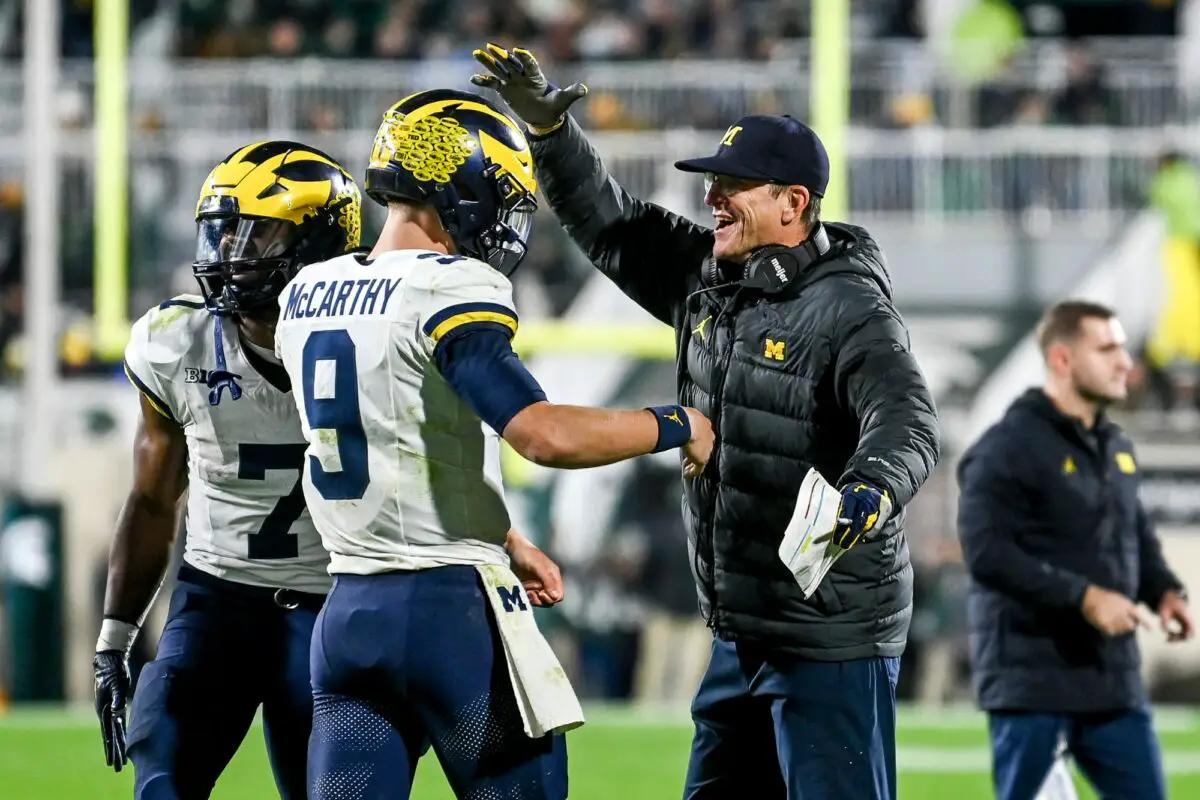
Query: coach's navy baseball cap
[773, 148]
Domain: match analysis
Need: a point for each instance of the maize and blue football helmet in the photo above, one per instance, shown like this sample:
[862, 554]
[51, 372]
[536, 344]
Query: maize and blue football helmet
[466, 158]
[264, 212]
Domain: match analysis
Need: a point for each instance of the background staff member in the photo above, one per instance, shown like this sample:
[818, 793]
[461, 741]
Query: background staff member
[1060, 551]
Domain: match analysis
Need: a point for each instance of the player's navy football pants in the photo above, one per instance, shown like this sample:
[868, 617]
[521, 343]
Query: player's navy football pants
[1117, 752]
[404, 655]
[800, 730]
[226, 649]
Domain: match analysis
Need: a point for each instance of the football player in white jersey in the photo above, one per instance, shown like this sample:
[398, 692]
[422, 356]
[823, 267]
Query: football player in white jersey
[217, 418]
[406, 381]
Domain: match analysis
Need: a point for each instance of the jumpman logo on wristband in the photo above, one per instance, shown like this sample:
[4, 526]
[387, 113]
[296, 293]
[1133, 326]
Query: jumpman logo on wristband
[674, 417]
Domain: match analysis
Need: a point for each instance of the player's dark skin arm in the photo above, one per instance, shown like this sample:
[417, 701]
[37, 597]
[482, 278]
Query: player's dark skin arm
[572, 437]
[141, 548]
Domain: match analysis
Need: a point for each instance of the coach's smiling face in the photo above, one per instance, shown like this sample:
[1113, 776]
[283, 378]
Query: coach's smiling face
[749, 214]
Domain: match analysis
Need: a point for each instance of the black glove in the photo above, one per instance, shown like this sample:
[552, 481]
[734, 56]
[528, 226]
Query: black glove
[112, 690]
[519, 80]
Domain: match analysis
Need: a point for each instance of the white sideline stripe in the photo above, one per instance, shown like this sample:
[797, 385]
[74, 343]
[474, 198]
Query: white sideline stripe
[953, 718]
[950, 718]
[1167, 719]
[938, 760]
[929, 760]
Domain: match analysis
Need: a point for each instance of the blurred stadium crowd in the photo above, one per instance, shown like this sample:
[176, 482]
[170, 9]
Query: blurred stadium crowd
[1051, 65]
[583, 31]
[565, 30]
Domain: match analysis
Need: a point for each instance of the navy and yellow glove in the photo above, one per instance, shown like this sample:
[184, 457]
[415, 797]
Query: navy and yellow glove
[520, 81]
[864, 508]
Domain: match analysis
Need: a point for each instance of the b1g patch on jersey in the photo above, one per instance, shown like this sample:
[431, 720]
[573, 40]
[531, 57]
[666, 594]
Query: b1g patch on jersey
[217, 380]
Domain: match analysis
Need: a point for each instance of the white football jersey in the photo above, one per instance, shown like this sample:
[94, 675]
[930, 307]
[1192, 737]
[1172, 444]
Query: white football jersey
[246, 520]
[401, 473]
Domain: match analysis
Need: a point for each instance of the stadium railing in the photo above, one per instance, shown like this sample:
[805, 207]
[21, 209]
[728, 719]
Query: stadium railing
[1148, 80]
[923, 176]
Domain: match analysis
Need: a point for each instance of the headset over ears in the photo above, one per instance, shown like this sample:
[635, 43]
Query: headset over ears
[772, 268]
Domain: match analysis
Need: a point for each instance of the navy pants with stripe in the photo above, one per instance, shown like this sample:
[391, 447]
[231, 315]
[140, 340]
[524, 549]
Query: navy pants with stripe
[226, 650]
[800, 730]
[403, 659]
[1117, 752]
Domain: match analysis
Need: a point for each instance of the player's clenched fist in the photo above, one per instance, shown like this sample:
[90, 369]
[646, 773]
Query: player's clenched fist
[699, 448]
[540, 576]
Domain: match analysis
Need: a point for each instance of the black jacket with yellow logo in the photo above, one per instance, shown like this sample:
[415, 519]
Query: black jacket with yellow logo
[820, 376]
[1048, 508]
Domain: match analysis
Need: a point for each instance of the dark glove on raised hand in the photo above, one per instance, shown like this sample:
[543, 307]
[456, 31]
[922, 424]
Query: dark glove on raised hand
[519, 80]
[112, 690]
[864, 508]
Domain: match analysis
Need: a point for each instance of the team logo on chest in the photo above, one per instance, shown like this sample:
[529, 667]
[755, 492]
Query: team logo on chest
[217, 381]
[774, 349]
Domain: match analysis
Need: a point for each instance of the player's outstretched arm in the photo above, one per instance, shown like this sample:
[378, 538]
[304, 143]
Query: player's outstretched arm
[571, 437]
[139, 555]
[480, 365]
[646, 250]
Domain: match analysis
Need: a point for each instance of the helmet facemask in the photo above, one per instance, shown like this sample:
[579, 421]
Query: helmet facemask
[501, 245]
[243, 263]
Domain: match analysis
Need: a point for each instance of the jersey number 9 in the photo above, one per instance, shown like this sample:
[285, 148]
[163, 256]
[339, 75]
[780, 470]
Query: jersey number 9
[331, 403]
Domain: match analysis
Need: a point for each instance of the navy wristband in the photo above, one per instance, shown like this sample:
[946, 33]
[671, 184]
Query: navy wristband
[674, 427]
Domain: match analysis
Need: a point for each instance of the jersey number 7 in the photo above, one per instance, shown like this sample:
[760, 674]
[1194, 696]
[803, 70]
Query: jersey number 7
[331, 404]
[274, 539]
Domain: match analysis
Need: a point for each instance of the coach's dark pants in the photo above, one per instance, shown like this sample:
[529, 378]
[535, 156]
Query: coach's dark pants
[403, 658]
[801, 730]
[226, 649]
[1117, 751]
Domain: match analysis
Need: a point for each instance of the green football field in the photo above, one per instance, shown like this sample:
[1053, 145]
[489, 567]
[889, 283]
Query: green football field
[620, 753]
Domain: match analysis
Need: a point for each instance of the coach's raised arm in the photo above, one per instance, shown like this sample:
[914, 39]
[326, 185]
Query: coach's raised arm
[645, 249]
[788, 341]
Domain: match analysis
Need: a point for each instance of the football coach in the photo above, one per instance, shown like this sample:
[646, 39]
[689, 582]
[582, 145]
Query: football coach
[788, 340]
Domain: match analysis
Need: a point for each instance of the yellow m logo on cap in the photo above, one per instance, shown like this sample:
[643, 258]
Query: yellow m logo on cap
[733, 131]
